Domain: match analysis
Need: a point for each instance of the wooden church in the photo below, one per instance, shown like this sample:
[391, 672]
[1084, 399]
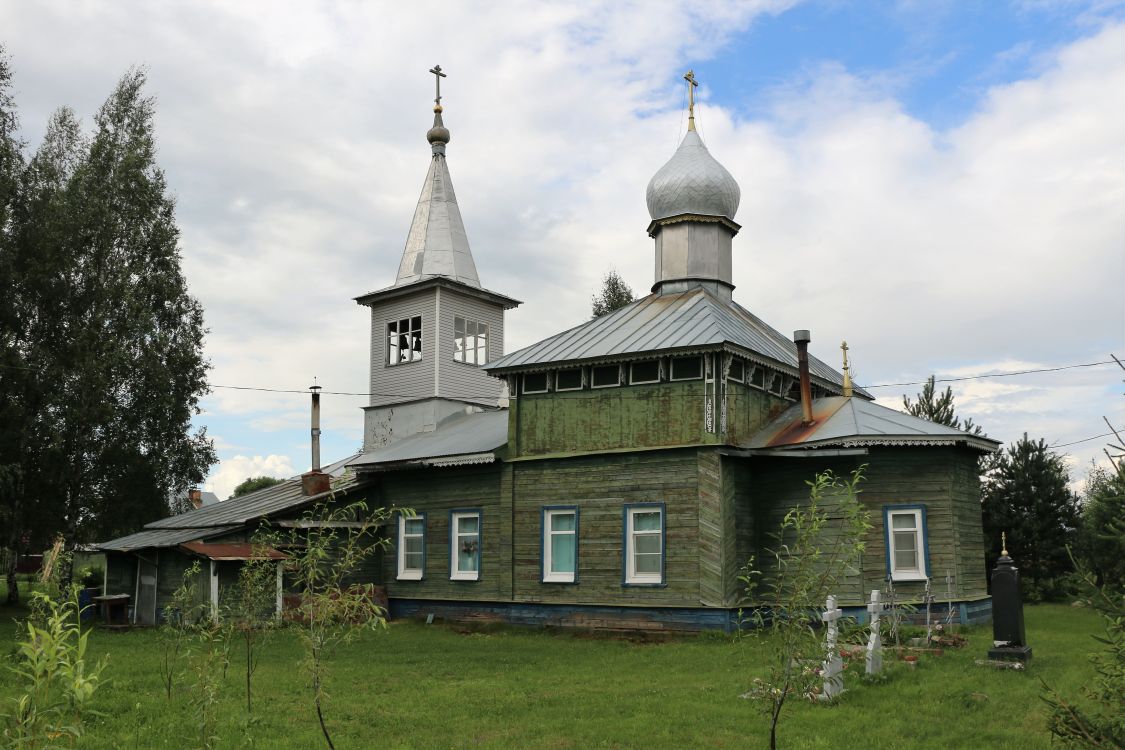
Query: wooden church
[617, 474]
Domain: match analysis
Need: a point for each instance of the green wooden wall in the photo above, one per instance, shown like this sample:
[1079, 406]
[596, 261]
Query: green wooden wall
[941, 478]
[632, 416]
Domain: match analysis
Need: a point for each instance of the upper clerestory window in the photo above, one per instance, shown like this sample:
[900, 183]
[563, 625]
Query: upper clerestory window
[404, 340]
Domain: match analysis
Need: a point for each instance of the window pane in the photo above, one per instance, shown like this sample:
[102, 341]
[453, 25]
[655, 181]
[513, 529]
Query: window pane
[467, 555]
[562, 553]
[412, 560]
[647, 563]
[684, 368]
[644, 372]
[905, 560]
[569, 379]
[647, 521]
[736, 371]
[904, 540]
[605, 375]
[562, 521]
[413, 525]
[647, 543]
[903, 521]
[467, 524]
[535, 382]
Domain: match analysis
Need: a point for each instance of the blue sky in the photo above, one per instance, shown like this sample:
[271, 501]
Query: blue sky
[940, 183]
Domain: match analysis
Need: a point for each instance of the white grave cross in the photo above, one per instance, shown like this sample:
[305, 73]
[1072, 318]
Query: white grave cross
[833, 664]
[875, 640]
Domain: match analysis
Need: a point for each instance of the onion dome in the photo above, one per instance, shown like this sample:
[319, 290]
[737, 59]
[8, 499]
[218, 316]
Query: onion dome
[438, 134]
[692, 182]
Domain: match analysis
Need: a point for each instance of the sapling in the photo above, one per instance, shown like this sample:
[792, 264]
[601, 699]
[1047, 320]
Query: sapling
[812, 555]
[180, 614]
[323, 555]
[251, 607]
[59, 684]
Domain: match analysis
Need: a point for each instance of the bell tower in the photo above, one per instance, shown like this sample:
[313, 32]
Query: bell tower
[434, 328]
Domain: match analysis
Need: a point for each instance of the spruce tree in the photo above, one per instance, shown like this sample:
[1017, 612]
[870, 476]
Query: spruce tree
[1026, 495]
[939, 408]
[614, 295]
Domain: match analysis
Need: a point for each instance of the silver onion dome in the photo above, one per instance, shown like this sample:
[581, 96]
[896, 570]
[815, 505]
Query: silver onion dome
[692, 182]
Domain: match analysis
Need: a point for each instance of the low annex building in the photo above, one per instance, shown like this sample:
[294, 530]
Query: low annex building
[617, 474]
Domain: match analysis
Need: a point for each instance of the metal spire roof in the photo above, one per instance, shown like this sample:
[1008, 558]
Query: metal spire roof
[437, 244]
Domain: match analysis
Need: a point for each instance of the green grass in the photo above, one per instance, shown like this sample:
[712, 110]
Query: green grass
[418, 686]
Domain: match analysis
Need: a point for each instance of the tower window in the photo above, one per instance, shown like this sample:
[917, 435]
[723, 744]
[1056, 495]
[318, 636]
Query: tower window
[470, 341]
[404, 340]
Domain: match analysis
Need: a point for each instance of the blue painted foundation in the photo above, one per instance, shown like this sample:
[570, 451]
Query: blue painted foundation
[630, 619]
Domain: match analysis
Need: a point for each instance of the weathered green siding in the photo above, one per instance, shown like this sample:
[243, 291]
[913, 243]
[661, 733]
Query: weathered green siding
[940, 478]
[120, 574]
[600, 487]
[736, 494]
[436, 492]
[748, 410]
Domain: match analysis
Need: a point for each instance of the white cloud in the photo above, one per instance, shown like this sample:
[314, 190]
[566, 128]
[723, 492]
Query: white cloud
[231, 472]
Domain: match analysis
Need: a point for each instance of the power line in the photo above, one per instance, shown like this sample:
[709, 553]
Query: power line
[995, 374]
[1083, 440]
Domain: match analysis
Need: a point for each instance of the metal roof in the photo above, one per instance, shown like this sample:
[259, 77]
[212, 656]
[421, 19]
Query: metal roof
[464, 439]
[692, 182]
[848, 422]
[289, 494]
[162, 538]
[687, 320]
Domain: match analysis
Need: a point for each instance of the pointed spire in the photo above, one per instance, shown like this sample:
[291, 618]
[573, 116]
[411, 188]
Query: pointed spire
[437, 244]
[847, 375]
[692, 83]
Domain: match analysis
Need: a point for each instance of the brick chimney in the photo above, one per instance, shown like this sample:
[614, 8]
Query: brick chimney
[196, 497]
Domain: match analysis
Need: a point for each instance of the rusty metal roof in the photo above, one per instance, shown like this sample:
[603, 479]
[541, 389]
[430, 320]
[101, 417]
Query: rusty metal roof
[233, 551]
[464, 439]
[853, 422]
[685, 321]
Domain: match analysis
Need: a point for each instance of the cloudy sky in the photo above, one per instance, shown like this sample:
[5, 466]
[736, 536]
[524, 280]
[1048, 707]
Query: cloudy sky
[940, 183]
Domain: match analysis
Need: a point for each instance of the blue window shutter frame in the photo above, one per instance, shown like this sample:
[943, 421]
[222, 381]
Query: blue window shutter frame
[887, 510]
[625, 545]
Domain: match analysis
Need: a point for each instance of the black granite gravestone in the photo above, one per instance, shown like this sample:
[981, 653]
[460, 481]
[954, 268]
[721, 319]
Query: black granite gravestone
[1008, 640]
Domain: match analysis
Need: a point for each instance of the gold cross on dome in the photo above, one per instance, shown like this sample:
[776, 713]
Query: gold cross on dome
[438, 75]
[692, 83]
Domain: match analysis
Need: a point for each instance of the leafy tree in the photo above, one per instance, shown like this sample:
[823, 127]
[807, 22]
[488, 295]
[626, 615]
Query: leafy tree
[252, 484]
[614, 295]
[938, 408]
[1026, 494]
[816, 545]
[102, 344]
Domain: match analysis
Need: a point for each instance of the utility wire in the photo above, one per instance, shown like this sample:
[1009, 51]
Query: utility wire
[995, 374]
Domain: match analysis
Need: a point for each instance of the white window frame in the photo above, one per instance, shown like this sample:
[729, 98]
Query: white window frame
[672, 368]
[405, 573]
[615, 384]
[631, 576]
[477, 354]
[546, 382]
[581, 379]
[455, 573]
[638, 381]
[549, 514]
[390, 338]
[919, 516]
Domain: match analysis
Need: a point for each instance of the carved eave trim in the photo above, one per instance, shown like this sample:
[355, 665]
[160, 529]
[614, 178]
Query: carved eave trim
[656, 224]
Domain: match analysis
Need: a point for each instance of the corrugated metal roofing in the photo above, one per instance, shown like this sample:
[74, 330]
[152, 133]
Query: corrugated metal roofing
[162, 538]
[659, 322]
[263, 502]
[853, 421]
[470, 436]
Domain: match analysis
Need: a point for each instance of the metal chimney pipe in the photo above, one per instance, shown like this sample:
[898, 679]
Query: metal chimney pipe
[315, 427]
[802, 338]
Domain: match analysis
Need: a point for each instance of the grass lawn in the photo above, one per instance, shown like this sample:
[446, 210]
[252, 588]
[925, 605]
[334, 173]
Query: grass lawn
[418, 686]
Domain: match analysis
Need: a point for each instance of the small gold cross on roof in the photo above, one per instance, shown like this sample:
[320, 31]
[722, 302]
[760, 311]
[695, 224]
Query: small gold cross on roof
[692, 83]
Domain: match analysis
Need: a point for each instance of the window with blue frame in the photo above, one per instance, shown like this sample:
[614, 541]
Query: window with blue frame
[464, 543]
[904, 531]
[411, 547]
[644, 544]
[560, 545]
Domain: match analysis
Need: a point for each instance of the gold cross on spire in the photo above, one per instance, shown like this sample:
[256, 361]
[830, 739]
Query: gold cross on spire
[692, 83]
[847, 375]
[438, 75]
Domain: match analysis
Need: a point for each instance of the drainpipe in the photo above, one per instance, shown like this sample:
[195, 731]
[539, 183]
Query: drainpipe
[802, 338]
